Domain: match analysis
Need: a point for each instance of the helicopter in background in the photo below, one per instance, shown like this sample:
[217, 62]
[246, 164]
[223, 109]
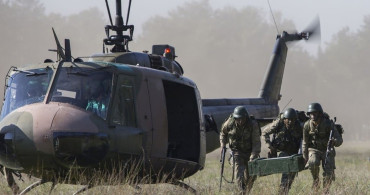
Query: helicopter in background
[117, 109]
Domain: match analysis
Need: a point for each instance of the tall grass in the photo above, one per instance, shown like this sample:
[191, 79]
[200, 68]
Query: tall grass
[352, 177]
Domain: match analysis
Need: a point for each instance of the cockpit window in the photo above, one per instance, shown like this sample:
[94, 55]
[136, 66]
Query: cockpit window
[26, 87]
[124, 110]
[87, 88]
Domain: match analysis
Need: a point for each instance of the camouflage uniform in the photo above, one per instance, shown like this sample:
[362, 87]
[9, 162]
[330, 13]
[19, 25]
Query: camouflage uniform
[287, 142]
[315, 140]
[245, 143]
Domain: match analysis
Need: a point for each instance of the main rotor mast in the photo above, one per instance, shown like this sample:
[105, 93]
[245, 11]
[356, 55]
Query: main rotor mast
[120, 41]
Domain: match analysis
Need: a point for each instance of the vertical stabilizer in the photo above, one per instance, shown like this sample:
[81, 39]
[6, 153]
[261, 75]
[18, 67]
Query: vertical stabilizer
[270, 89]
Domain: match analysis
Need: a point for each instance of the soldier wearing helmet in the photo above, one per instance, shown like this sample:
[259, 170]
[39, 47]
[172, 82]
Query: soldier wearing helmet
[287, 136]
[242, 133]
[316, 133]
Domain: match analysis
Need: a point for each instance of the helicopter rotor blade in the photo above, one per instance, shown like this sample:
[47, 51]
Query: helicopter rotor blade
[128, 12]
[110, 16]
[313, 30]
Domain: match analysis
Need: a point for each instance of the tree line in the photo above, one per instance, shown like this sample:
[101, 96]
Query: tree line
[225, 51]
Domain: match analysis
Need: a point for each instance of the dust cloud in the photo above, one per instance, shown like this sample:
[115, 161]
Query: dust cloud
[225, 51]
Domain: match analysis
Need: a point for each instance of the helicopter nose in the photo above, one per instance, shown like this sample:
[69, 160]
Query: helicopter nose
[7, 154]
[16, 139]
[77, 139]
[51, 133]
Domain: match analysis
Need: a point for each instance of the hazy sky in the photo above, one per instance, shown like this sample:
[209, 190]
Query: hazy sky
[334, 14]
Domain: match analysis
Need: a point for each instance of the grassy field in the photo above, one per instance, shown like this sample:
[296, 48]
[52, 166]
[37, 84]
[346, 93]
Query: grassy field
[352, 177]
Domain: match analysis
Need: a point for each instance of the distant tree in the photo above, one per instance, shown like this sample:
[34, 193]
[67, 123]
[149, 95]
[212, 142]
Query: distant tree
[343, 74]
[26, 33]
[223, 47]
[226, 51]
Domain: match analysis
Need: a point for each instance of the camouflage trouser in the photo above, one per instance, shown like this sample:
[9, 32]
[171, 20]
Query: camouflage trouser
[313, 163]
[286, 178]
[245, 182]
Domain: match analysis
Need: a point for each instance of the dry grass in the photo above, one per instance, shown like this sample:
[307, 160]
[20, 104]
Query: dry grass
[352, 177]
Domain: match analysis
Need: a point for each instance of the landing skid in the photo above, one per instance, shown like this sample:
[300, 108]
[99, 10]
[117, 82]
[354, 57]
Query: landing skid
[83, 189]
[176, 183]
[87, 187]
[40, 182]
[34, 185]
[184, 185]
[10, 180]
[30, 187]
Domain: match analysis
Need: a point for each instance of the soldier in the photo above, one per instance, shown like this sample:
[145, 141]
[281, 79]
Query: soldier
[98, 103]
[287, 136]
[316, 133]
[243, 135]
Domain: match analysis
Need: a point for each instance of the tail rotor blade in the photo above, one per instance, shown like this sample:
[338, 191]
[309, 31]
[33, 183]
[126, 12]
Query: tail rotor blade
[313, 30]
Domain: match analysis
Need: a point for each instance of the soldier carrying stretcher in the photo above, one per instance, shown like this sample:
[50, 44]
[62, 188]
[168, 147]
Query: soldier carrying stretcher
[242, 133]
[320, 135]
[287, 135]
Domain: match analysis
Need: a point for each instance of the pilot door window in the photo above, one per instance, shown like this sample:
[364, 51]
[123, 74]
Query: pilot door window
[124, 109]
[26, 87]
[86, 88]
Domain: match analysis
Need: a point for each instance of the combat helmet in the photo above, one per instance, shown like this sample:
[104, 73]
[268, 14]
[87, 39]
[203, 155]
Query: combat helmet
[240, 112]
[314, 107]
[290, 113]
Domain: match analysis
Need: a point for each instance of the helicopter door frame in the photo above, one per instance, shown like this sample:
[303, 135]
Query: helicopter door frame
[184, 121]
[158, 117]
[124, 115]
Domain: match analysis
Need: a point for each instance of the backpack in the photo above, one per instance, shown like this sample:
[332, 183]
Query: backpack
[337, 126]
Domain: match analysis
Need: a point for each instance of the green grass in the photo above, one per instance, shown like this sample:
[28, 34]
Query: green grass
[352, 177]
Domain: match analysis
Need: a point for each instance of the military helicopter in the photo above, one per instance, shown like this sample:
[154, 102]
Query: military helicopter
[119, 109]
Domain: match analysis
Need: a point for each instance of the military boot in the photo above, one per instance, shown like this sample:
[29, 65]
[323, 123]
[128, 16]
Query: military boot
[283, 190]
[284, 185]
[250, 182]
[315, 176]
[316, 184]
[326, 183]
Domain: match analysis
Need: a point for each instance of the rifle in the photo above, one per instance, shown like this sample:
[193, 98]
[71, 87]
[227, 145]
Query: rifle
[233, 167]
[222, 161]
[330, 146]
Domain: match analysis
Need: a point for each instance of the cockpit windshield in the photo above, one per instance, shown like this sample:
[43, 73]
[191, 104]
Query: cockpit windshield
[26, 87]
[87, 88]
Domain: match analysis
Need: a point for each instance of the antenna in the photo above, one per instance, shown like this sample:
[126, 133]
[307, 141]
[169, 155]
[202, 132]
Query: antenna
[287, 104]
[62, 54]
[59, 47]
[272, 14]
